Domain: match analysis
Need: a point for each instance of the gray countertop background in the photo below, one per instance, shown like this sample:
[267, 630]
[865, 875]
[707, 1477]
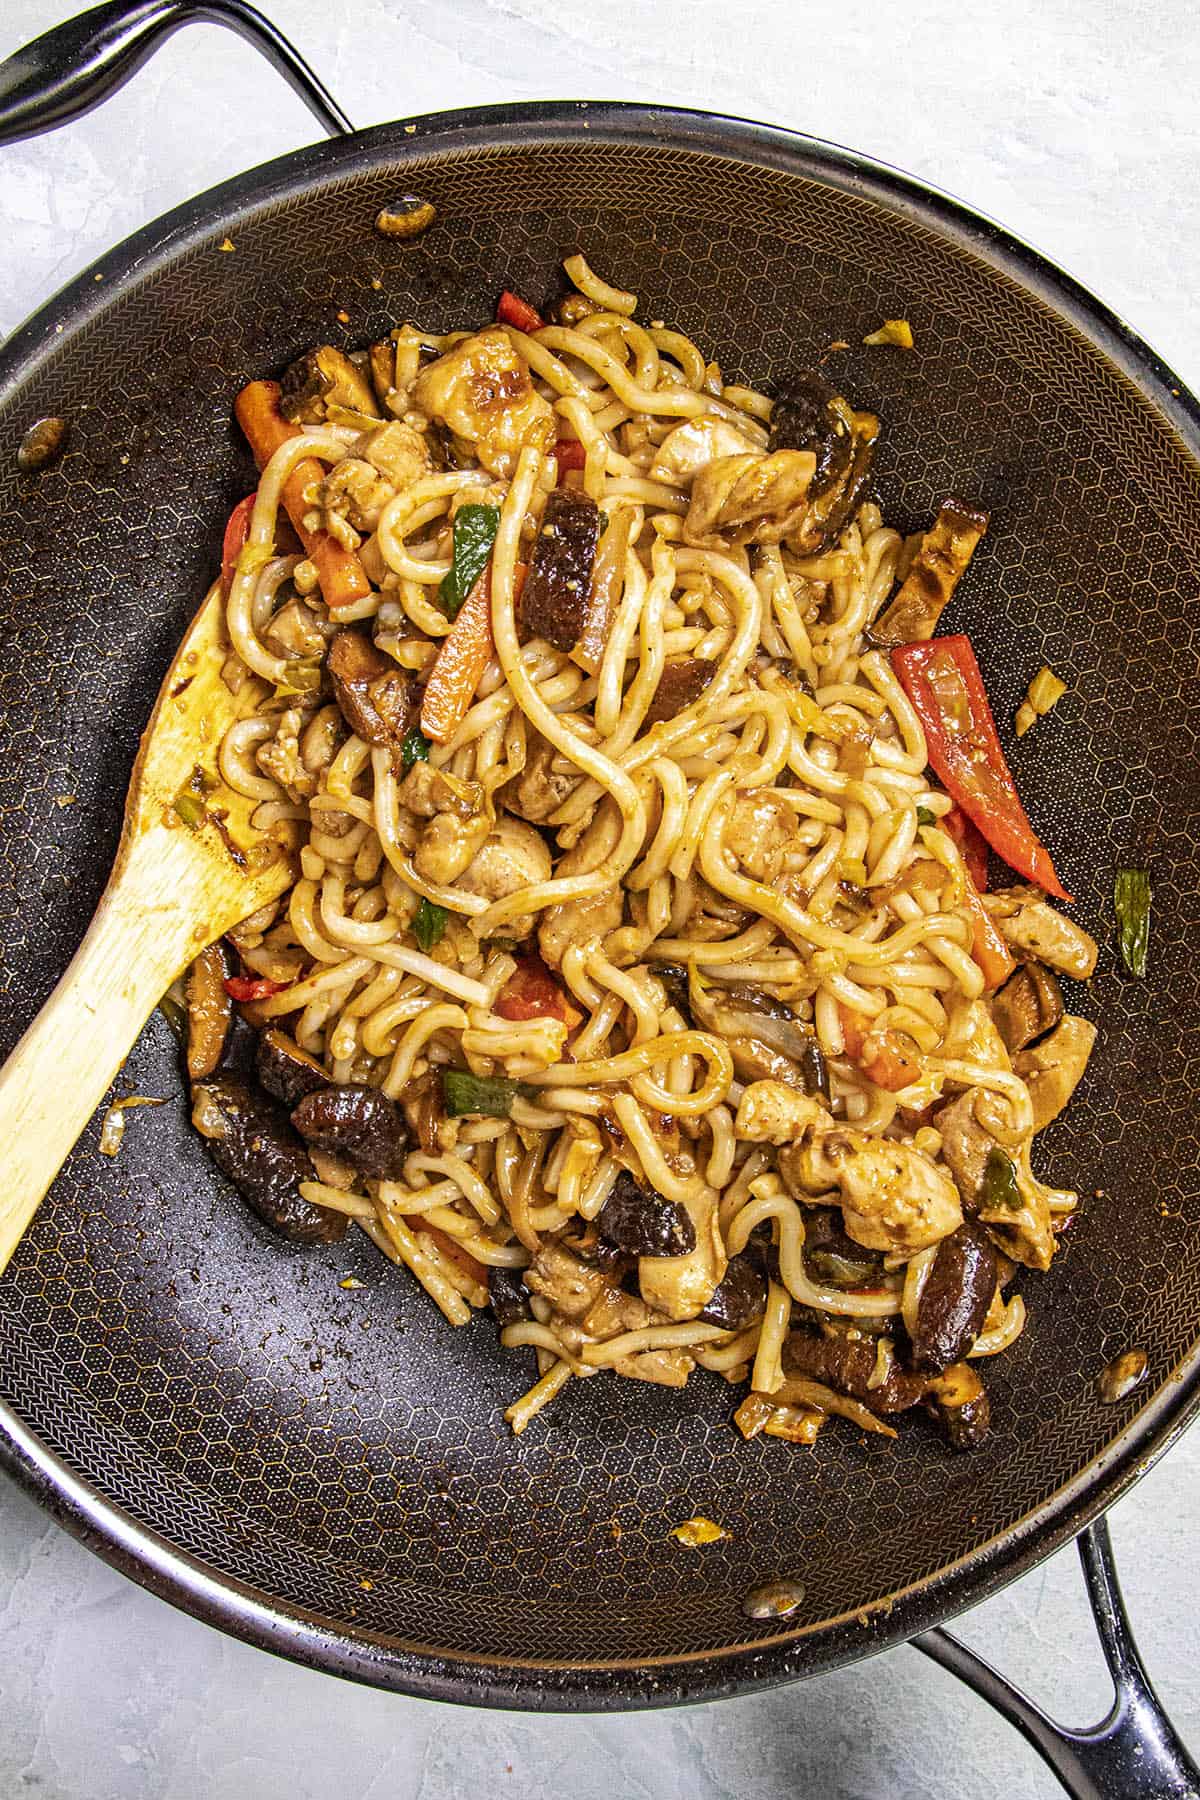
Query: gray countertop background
[1075, 123]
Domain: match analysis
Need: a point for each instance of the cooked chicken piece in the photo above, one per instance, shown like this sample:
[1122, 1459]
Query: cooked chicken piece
[1030, 923]
[334, 1171]
[770, 1113]
[428, 791]
[570, 1285]
[541, 788]
[690, 446]
[513, 858]
[749, 499]
[280, 758]
[761, 827]
[892, 1197]
[481, 390]
[400, 453]
[682, 1286]
[449, 844]
[586, 921]
[1053, 1069]
[966, 1145]
[355, 493]
[939, 566]
[1026, 1233]
[669, 1368]
[583, 1296]
[295, 633]
[590, 920]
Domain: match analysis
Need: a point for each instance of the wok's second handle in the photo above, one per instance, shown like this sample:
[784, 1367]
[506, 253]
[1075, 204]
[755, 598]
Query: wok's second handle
[72, 68]
[1133, 1754]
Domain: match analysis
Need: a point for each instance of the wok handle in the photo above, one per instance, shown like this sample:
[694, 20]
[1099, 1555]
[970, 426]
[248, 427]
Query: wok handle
[79, 63]
[1134, 1753]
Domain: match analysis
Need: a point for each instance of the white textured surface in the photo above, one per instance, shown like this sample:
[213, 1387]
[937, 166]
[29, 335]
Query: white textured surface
[1075, 123]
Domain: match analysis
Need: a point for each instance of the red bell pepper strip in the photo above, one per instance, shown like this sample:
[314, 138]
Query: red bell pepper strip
[252, 987]
[972, 846]
[569, 453]
[941, 677]
[237, 530]
[531, 992]
[512, 310]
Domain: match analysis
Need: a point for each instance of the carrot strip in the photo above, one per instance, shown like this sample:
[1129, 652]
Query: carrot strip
[464, 654]
[343, 578]
[988, 946]
[881, 1055]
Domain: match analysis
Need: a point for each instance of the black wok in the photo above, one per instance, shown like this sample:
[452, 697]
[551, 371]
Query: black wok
[324, 1472]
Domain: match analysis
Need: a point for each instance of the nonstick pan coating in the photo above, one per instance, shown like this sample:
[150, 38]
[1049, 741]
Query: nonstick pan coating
[326, 1470]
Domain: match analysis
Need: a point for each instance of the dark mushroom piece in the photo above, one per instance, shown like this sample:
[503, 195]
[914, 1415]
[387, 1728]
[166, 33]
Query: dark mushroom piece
[639, 1222]
[322, 378]
[251, 1141]
[1028, 1006]
[378, 701]
[738, 1297]
[811, 415]
[831, 1257]
[285, 1070]
[959, 1289]
[765, 1038]
[682, 681]
[960, 1405]
[554, 600]
[849, 1365]
[209, 1011]
[357, 1123]
[508, 1296]
[939, 566]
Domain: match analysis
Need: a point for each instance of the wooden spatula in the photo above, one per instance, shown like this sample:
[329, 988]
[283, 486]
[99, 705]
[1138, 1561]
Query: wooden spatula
[176, 886]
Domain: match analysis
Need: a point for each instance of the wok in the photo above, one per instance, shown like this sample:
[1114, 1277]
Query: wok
[324, 1472]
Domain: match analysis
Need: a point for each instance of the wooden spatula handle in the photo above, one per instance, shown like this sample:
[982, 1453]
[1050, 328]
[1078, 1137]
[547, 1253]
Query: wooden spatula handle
[143, 934]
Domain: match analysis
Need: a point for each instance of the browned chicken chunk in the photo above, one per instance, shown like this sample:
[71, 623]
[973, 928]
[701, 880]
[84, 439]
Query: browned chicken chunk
[482, 392]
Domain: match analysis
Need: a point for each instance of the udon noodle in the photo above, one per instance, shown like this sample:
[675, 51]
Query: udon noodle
[681, 900]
